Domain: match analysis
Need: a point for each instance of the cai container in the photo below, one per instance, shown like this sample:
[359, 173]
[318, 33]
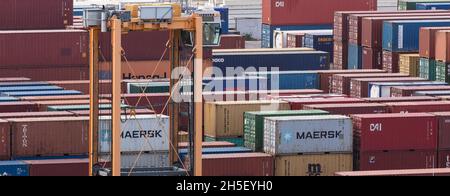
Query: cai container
[390, 160]
[240, 164]
[420, 106]
[308, 134]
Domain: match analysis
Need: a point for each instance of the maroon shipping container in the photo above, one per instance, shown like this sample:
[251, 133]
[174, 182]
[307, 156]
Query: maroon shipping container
[32, 14]
[407, 172]
[380, 132]
[340, 55]
[109, 112]
[16, 79]
[136, 45]
[427, 41]
[242, 164]
[359, 87]
[59, 167]
[60, 97]
[43, 105]
[4, 140]
[55, 136]
[18, 106]
[400, 99]
[420, 106]
[309, 12]
[326, 76]
[83, 85]
[298, 104]
[349, 109]
[406, 91]
[341, 82]
[157, 100]
[442, 48]
[391, 61]
[231, 41]
[389, 160]
[44, 48]
[444, 159]
[209, 145]
[34, 114]
[341, 25]
[372, 58]
[294, 40]
[444, 129]
[44, 73]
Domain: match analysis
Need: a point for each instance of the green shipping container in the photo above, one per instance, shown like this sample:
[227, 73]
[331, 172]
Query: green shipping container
[81, 107]
[427, 69]
[412, 4]
[237, 141]
[254, 125]
[153, 87]
[442, 71]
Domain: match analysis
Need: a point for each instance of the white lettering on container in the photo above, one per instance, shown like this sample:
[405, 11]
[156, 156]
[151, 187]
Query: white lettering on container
[279, 3]
[24, 136]
[376, 127]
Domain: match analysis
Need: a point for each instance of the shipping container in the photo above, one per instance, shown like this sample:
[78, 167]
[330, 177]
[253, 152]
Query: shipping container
[400, 99]
[431, 93]
[317, 134]
[5, 145]
[241, 164]
[294, 40]
[391, 61]
[41, 93]
[389, 160]
[82, 107]
[34, 114]
[383, 89]
[225, 119]
[83, 86]
[312, 165]
[444, 131]
[441, 47]
[427, 41]
[128, 112]
[21, 84]
[14, 79]
[44, 48]
[354, 56]
[380, 132]
[427, 69]
[326, 76]
[53, 98]
[403, 36]
[47, 72]
[141, 160]
[184, 153]
[359, 87]
[284, 60]
[409, 172]
[280, 38]
[442, 71]
[237, 141]
[433, 6]
[420, 106]
[14, 168]
[8, 99]
[372, 58]
[341, 23]
[299, 103]
[29, 88]
[350, 109]
[443, 159]
[320, 41]
[341, 82]
[409, 64]
[406, 91]
[59, 167]
[304, 12]
[276, 94]
[267, 31]
[183, 145]
[156, 100]
[55, 136]
[412, 4]
[18, 106]
[239, 83]
[285, 80]
[31, 14]
[43, 105]
[148, 87]
[254, 125]
[224, 18]
[231, 41]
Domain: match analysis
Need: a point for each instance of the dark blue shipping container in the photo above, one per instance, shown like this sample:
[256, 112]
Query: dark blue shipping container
[8, 99]
[432, 93]
[290, 80]
[41, 93]
[267, 32]
[433, 6]
[321, 41]
[240, 83]
[224, 17]
[7, 84]
[14, 168]
[225, 150]
[283, 60]
[30, 88]
[403, 36]
[354, 56]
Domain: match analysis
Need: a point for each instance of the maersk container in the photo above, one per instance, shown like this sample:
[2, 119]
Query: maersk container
[41, 93]
[239, 83]
[354, 56]
[284, 60]
[322, 41]
[14, 168]
[308, 134]
[224, 17]
[289, 80]
[30, 88]
[148, 133]
[433, 6]
[403, 36]
[183, 153]
[427, 69]
[383, 89]
[254, 125]
[431, 93]
[267, 32]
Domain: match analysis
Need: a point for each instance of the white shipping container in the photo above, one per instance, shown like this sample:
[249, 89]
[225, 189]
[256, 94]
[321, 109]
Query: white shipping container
[383, 89]
[308, 134]
[147, 133]
[144, 160]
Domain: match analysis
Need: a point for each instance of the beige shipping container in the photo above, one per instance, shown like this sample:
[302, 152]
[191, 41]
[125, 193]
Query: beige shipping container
[409, 64]
[226, 119]
[313, 165]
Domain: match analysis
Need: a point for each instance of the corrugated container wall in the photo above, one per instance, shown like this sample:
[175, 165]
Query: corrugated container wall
[389, 160]
[242, 164]
[427, 41]
[59, 167]
[312, 165]
[442, 50]
[4, 140]
[14, 168]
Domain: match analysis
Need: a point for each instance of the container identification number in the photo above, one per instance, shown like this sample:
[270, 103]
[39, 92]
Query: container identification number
[246, 185]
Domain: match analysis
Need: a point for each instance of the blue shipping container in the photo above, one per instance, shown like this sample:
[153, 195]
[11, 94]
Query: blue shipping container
[225, 150]
[14, 168]
[383, 89]
[224, 17]
[354, 56]
[30, 88]
[321, 41]
[41, 93]
[403, 36]
[7, 84]
[267, 32]
[284, 60]
[433, 6]
[240, 83]
[290, 80]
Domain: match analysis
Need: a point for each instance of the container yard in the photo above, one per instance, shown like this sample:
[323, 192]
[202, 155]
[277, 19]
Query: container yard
[225, 88]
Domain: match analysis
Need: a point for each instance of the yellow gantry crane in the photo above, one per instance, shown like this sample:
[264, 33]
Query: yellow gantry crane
[202, 28]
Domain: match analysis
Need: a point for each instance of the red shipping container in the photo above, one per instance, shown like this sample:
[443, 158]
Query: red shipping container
[406, 91]
[43, 105]
[61, 97]
[32, 14]
[391, 160]
[16, 79]
[391, 61]
[34, 114]
[55, 136]
[341, 23]
[157, 100]
[359, 87]
[307, 12]
[44, 73]
[407, 172]
[341, 82]
[326, 76]
[83, 86]
[59, 167]
[4, 140]
[231, 41]
[372, 58]
[400, 99]
[417, 107]
[294, 40]
[444, 159]
[379, 132]
[444, 129]
[242, 164]
[350, 109]
[298, 104]
[340, 55]
[18, 106]
[427, 41]
[442, 48]
[44, 48]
